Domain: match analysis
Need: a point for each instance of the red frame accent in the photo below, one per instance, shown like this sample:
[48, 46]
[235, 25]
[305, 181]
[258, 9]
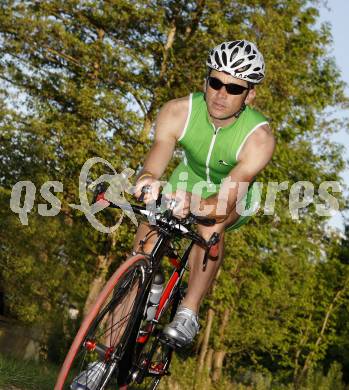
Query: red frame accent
[90, 345]
[175, 262]
[108, 353]
[142, 339]
[164, 297]
[100, 198]
[156, 368]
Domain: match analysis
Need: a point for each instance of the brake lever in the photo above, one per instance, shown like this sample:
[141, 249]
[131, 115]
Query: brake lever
[214, 239]
[145, 190]
[190, 219]
[98, 189]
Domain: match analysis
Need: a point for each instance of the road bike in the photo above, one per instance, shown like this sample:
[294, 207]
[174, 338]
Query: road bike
[122, 333]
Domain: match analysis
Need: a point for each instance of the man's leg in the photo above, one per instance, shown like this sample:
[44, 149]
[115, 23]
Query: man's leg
[185, 325]
[200, 281]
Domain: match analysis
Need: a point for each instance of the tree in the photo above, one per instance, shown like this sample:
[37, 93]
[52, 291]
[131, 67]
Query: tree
[88, 79]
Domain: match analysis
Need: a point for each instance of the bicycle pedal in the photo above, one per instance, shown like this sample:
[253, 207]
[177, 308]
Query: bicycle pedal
[168, 342]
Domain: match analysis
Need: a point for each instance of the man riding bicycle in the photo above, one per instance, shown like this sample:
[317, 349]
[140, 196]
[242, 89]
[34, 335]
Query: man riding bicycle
[225, 142]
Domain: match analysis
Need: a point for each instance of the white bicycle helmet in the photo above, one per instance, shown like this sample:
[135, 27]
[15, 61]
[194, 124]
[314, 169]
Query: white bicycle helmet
[241, 59]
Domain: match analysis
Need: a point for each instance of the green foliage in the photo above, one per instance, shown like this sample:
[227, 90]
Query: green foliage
[86, 78]
[185, 378]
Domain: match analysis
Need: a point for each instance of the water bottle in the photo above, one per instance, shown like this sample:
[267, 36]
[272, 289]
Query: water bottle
[155, 294]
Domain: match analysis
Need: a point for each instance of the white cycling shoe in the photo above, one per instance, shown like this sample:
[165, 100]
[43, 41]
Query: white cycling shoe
[184, 327]
[90, 378]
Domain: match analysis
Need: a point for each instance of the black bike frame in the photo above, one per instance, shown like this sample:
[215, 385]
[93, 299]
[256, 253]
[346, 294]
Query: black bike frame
[168, 227]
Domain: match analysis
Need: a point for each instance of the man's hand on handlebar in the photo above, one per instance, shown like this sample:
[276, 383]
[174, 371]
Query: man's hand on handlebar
[147, 190]
[150, 187]
[182, 206]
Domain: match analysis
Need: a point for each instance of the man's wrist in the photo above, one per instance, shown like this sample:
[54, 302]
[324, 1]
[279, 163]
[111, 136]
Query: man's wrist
[144, 175]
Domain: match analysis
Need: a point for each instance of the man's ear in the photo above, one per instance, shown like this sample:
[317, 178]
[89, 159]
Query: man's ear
[250, 96]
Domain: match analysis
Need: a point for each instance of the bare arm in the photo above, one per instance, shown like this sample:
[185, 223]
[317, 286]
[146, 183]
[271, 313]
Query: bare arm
[254, 156]
[169, 124]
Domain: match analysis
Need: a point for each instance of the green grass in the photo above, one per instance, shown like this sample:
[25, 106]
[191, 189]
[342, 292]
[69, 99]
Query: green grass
[16, 374]
[26, 375]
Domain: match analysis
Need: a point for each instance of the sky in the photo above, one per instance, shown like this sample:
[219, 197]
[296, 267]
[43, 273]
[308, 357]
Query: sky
[337, 15]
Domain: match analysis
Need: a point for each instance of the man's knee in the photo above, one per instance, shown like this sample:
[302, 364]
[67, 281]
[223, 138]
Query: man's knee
[231, 219]
[207, 231]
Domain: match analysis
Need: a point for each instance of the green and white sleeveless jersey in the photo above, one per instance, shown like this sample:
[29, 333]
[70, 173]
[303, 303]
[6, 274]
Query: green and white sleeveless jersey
[210, 153]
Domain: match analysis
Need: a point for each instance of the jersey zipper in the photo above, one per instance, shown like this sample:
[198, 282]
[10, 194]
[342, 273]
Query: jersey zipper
[215, 132]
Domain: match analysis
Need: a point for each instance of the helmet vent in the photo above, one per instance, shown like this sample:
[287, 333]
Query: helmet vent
[233, 54]
[237, 63]
[243, 69]
[218, 60]
[232, 44]
[255, 76]
[224, 58]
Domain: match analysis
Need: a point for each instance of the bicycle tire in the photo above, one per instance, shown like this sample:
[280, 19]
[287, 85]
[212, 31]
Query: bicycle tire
[129, 274]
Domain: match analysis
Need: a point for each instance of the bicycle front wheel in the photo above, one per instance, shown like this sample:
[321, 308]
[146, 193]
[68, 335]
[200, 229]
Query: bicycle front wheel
[104, 334]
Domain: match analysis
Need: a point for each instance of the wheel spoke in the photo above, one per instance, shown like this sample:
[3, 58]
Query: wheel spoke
[108, 331]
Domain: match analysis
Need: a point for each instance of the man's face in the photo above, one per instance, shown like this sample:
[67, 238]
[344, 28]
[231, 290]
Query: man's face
[220, 104]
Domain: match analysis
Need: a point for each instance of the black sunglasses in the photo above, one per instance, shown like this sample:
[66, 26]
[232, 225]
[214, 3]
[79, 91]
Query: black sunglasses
[232, 89]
